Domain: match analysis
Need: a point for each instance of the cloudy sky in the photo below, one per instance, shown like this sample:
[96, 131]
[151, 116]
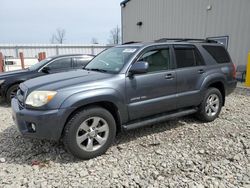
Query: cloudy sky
[34, 21]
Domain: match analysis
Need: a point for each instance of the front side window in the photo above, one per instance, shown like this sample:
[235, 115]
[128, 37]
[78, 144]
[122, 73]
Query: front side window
[64, 63]
[112, 60]
[187, 57]
[158, 60]
[40, 64]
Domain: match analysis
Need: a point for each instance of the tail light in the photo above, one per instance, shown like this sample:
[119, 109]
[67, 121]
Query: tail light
[234, 71]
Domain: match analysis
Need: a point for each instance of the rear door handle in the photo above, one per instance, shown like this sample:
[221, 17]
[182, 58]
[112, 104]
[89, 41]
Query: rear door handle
[169, 76]
[201, 71]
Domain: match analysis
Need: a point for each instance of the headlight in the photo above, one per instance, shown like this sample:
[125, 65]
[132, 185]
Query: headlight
[40, 98]
[1, 82]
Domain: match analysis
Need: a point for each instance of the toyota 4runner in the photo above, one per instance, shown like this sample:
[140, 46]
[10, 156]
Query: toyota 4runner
[125, 87]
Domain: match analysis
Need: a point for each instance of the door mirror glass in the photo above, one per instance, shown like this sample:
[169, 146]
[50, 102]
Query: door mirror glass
[139, 67]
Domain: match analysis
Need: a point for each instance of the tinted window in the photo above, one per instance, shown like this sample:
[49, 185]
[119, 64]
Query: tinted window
[157, 59]
[219, 53]
[64, 63]
[187, 57]
[82, 61]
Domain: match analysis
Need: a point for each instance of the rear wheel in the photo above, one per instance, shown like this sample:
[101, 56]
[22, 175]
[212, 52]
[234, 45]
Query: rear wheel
[89, 133]
[211, 105]
[11, 92]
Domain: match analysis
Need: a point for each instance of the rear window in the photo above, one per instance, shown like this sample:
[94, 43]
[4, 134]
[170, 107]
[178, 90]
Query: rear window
[219, 53]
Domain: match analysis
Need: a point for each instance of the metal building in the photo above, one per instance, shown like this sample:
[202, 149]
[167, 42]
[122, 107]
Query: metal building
[226, 20]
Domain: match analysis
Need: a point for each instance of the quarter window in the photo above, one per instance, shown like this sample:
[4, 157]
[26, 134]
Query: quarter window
[158, 60]
[219, 53]
[187, 57]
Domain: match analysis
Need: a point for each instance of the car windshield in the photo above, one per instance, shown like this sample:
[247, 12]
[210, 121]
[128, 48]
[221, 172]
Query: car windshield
[39, 64]
[112, 60]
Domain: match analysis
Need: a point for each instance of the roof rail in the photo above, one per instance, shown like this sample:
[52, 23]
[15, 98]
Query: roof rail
[130, 42]
[186, 40]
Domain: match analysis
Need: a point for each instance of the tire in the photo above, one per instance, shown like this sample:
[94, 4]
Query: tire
[211, 105]
[82, 131]
[11, 92]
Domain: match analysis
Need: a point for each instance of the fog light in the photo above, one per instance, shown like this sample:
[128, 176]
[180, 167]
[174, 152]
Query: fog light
[33, 127]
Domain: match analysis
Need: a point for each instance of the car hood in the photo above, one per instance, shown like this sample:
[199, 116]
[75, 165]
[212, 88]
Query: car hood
[64, 80]
[12, 73]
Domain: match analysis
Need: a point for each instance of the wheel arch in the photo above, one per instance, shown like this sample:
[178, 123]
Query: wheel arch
[107, 105]
[221, 87]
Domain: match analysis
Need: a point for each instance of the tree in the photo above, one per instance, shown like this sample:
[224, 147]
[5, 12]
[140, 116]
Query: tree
[115, 36]
[58, 37]
[94, 41]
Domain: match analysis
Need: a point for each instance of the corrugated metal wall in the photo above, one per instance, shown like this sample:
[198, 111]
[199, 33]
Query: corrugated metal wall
[30, 50]
[190, 19]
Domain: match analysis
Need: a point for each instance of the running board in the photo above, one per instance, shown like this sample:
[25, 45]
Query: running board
[158, 119]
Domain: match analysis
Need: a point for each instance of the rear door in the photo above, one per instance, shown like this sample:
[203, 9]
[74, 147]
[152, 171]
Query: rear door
[190, 72]
[153, 92]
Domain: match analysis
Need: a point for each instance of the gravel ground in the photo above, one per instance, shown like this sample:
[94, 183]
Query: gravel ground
[179, 153]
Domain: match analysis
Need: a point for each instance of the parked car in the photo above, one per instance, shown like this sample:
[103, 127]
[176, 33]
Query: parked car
[9, 81]
[125, 87]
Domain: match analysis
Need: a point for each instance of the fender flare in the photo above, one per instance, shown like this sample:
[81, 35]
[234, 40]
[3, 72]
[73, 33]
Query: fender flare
[78, 100]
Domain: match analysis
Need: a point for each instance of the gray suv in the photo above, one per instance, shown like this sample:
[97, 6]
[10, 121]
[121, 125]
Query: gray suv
[125, 87]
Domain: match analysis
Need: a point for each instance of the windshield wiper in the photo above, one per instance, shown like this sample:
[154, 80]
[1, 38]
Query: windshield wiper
[98, 70]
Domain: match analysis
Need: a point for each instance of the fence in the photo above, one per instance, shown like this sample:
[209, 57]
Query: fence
[14, 57]
[32, 50]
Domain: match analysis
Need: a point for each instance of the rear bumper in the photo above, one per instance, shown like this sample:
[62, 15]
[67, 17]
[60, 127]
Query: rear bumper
[231, 87]
[48, 124]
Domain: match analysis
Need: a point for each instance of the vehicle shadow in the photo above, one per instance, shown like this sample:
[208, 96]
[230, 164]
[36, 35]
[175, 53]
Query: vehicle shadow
[18, 150]
[3, 103]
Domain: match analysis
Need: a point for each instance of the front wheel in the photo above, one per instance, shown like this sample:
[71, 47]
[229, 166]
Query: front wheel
[11, 92]
[89, 133]
[211, 105]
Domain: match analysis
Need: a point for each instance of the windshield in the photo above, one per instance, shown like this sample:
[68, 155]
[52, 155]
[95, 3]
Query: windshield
[39, 64]
[112, 60]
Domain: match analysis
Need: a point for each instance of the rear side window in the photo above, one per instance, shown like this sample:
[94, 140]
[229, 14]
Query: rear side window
[187, 57]
[82, 61]
[219, 53]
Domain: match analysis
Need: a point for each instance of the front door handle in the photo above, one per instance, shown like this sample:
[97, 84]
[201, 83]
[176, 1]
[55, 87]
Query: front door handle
[201, 71]
[169, 76]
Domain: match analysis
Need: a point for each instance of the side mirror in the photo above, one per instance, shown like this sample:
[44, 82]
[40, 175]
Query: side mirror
[139, 67]
[46, 70]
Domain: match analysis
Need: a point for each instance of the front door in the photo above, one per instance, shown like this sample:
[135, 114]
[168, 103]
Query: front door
[60, 65]
[155, 91]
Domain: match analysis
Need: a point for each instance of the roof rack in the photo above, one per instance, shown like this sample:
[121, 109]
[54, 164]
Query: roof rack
[130, 42]
[186, 40]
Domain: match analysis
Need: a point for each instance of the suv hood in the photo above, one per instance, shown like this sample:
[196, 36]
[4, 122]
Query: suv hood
[63, 80]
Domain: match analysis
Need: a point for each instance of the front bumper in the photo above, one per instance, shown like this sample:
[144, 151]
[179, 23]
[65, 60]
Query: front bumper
[48, 124]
